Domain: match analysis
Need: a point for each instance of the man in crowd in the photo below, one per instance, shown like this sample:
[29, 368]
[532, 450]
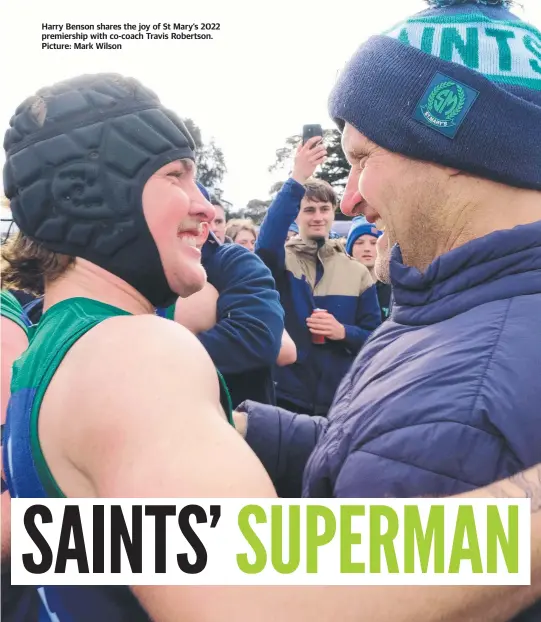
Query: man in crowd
[361, 244]
[218, 223]
[329, 299]
[445, 396]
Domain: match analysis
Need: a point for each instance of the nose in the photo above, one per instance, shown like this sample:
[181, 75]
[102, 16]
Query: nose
[352, 197]
[200, 208]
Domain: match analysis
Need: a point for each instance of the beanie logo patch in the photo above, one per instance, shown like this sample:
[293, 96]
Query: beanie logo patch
[445, 104]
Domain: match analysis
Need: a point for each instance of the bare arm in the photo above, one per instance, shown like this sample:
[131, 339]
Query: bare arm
[155, 434]
[198, 312]
[288, 351]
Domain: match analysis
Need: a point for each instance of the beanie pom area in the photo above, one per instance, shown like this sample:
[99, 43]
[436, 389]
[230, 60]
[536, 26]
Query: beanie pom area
[441, 4]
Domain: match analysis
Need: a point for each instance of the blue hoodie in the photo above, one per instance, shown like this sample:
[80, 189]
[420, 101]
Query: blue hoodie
[444, 397]
[246, 339]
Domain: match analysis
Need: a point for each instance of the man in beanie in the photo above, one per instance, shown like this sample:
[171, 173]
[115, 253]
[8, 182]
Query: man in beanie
[361, 244]
[441, 121]
[330, 301]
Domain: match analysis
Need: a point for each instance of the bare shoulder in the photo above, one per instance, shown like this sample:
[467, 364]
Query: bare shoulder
[134, 358]
[133, 339]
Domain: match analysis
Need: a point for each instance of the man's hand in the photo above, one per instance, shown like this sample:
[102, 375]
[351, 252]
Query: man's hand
[327, 325]
[308, 159]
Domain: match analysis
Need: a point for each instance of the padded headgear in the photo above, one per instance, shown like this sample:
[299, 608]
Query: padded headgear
[78, 155]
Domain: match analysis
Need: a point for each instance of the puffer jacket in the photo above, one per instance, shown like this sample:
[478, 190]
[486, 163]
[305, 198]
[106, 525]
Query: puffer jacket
[444, 397]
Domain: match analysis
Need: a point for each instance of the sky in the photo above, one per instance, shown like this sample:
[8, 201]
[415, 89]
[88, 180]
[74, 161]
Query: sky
[267, 72]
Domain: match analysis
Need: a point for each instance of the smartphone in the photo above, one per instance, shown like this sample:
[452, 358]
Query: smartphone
[309, 131]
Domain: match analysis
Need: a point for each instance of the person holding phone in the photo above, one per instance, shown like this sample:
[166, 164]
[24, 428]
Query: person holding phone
[330, 300]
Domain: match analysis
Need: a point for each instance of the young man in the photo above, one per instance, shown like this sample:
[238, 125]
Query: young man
[218, 223]
[329, 299]
[361, 245]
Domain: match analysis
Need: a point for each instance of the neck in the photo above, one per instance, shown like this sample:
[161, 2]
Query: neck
[372, 273]
[479, 208]
[86, 280]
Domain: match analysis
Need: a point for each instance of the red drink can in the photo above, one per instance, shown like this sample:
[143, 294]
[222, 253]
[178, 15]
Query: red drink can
[318, 339]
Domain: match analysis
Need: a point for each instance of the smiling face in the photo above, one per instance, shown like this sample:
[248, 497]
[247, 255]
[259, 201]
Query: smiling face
[407, 196]
[175, 209]
[218, 224]
[364, 250]
[315, 219]
[246, 238]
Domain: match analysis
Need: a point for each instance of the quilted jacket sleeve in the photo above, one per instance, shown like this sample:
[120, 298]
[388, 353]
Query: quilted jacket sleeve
[283, 441]
[431, 459]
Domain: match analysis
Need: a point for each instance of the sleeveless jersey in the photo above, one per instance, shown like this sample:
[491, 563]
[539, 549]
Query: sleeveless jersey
[19, 603]
[27, 472]
[11, 308]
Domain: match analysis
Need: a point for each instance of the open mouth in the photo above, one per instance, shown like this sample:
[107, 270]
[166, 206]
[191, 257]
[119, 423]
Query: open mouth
[190, 236]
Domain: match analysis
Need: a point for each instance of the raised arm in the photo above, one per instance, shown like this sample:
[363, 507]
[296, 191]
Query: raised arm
[285, 207]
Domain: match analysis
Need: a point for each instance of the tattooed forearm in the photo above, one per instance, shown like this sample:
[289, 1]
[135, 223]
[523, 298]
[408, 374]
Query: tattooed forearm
[524, 484]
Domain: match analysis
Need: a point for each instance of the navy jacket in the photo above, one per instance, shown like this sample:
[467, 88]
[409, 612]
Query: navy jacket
[245, 342]
[444, 397]
[309, 276]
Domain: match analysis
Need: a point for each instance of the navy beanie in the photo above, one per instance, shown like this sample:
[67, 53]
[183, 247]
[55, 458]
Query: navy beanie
[360, 226]
[458, 84]
[78, 155]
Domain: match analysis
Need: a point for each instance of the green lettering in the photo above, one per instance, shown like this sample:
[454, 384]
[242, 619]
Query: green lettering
[465, 525]
[468, 50]
[383, 541]
[496, 536]
[348, 539]
[427, 40]
[314, 539]
[535, 48]
[502, 39]
[403, 36]
[417, 540]
[252, 539]
[278, 541]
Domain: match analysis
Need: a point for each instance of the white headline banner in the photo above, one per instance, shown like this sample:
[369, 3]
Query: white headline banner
[270, 542]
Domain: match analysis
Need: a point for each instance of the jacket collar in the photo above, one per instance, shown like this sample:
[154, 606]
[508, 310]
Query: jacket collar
[311, 248]
[498, 266]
